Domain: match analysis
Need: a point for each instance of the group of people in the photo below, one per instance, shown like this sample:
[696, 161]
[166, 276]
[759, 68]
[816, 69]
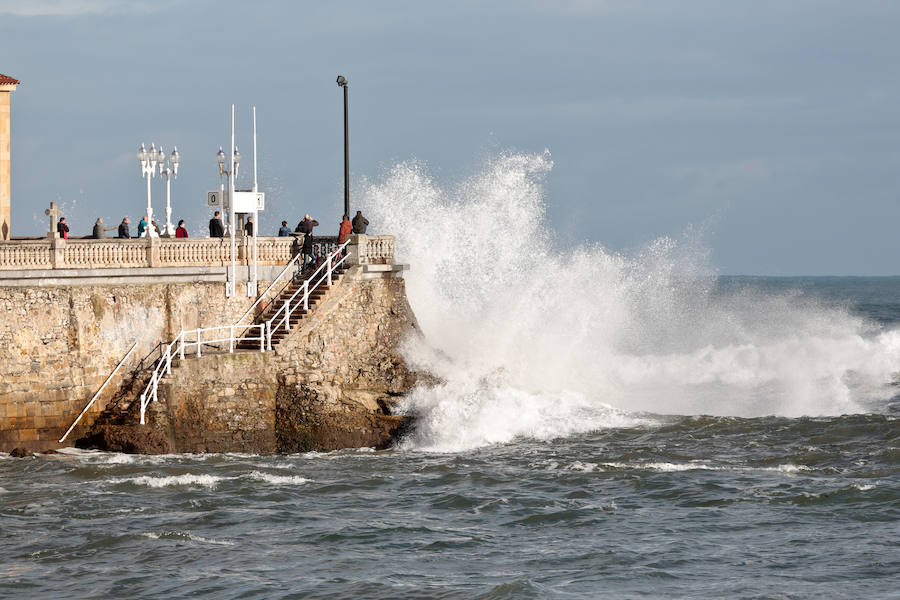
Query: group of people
[217, 229]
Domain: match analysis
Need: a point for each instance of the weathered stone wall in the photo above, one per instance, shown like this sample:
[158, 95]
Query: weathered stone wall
[331, 383]
[58, 345]
[220, 403]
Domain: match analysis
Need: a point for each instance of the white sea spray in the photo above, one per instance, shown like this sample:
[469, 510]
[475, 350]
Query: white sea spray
[531, 340]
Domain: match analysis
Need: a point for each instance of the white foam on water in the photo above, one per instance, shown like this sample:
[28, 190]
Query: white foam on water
[185, 536]
[188, 479]
[278, 479]
[863, 487]
[535, 341]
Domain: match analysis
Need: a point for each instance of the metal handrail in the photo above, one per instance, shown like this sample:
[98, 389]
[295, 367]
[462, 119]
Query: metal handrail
[307, 289]
[287, 267]
[97, 395]
[178, 345]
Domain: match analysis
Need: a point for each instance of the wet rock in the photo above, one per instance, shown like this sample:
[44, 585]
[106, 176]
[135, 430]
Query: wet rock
[20, 452]
[131, 439]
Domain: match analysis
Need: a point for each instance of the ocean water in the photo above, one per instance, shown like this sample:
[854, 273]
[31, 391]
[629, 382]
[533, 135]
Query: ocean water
[606, 425]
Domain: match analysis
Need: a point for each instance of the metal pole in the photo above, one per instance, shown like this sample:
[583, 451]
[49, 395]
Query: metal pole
[149, 208]
[169, 229]
[231, 202]
[346, 154]
[255, 210]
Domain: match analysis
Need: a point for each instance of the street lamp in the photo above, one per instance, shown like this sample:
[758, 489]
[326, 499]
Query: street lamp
[149, 160]
[226, 173]
[342, 82]
[170, 170]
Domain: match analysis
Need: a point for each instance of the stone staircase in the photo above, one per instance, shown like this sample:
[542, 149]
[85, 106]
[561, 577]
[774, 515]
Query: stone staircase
[124, 408]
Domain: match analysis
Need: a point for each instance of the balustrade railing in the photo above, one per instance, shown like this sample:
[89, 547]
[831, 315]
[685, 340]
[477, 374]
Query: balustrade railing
[115, 253]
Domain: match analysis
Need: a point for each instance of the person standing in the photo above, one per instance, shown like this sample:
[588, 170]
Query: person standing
[62, 228]
[248, 227]
[285, 231]
[180, 231]
[124, 234]
[360, 223]
[344, 230]
[306, 225]
[142, 226]
[100, 229]
[216, 229]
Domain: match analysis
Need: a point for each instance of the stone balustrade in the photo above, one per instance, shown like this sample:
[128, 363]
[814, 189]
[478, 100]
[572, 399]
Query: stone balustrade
[372, 249]
[178, 252]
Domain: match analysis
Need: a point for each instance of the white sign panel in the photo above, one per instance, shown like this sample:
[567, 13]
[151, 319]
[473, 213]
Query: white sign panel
[247, 202]
[214, 198]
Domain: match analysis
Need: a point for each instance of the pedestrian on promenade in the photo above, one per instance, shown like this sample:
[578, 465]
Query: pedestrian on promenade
[62, 228]
[248, 227]
[180, 231]
[142, 226]
[154, 226]
[285, 231]
[100, 229]
[344, 230]
[307, 250]
[360, 223]
[216, 229]
[306, 225]
[124, 234]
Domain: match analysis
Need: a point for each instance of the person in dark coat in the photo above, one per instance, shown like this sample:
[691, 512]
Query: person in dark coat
[124, 234]
[285, 231]
[307, 249]
[180, 231]
[360, 223]
[100, 229]
[306, 225]
[345, 229]
[216, 229]
[62, 228]
[248, 227]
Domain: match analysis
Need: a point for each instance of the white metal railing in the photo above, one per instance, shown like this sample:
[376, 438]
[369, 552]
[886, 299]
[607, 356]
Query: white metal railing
[286, 269]
[97, 395]
[309, 285]
[237, 332]
[181, 346]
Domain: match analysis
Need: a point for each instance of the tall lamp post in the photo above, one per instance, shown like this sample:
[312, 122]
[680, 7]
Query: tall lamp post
[342, 82]
[230, 175]
[170, 170]
[149, 160]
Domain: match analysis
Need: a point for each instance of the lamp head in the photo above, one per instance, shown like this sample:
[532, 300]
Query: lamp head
[341, 81]
[220, 158]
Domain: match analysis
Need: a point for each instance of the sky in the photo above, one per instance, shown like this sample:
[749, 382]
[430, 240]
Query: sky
[771, 128]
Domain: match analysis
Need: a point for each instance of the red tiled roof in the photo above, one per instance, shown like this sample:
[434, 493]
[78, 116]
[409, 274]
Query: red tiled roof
[7, 79]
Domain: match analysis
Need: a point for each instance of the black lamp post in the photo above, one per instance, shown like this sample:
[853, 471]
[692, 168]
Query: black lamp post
[342, 82]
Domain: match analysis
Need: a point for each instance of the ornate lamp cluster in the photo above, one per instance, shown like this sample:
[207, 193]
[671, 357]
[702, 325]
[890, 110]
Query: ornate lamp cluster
[152, 160]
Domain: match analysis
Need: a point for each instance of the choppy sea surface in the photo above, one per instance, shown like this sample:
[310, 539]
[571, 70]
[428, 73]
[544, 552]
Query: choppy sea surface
[649, 505]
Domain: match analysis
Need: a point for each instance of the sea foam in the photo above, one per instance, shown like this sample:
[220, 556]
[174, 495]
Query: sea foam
[532, 340]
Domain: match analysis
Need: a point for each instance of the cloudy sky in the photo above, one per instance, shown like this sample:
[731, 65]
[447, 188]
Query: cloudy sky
[771, 126]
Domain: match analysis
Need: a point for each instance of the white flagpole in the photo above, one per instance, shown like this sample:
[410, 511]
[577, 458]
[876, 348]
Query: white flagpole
[256, 207]
[231, 202]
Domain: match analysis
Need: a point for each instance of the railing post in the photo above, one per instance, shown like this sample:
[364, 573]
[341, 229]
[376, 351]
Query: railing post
[143, 406]
[198, 343]
[169, 359]
[231, 340]
[269, 335]
[306, 295]
[287, 314]
[262, 337]
[181, 345]
[329, 268]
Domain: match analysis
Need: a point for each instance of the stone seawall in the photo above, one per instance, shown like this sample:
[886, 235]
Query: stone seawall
[332, 383]
[58, 344]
